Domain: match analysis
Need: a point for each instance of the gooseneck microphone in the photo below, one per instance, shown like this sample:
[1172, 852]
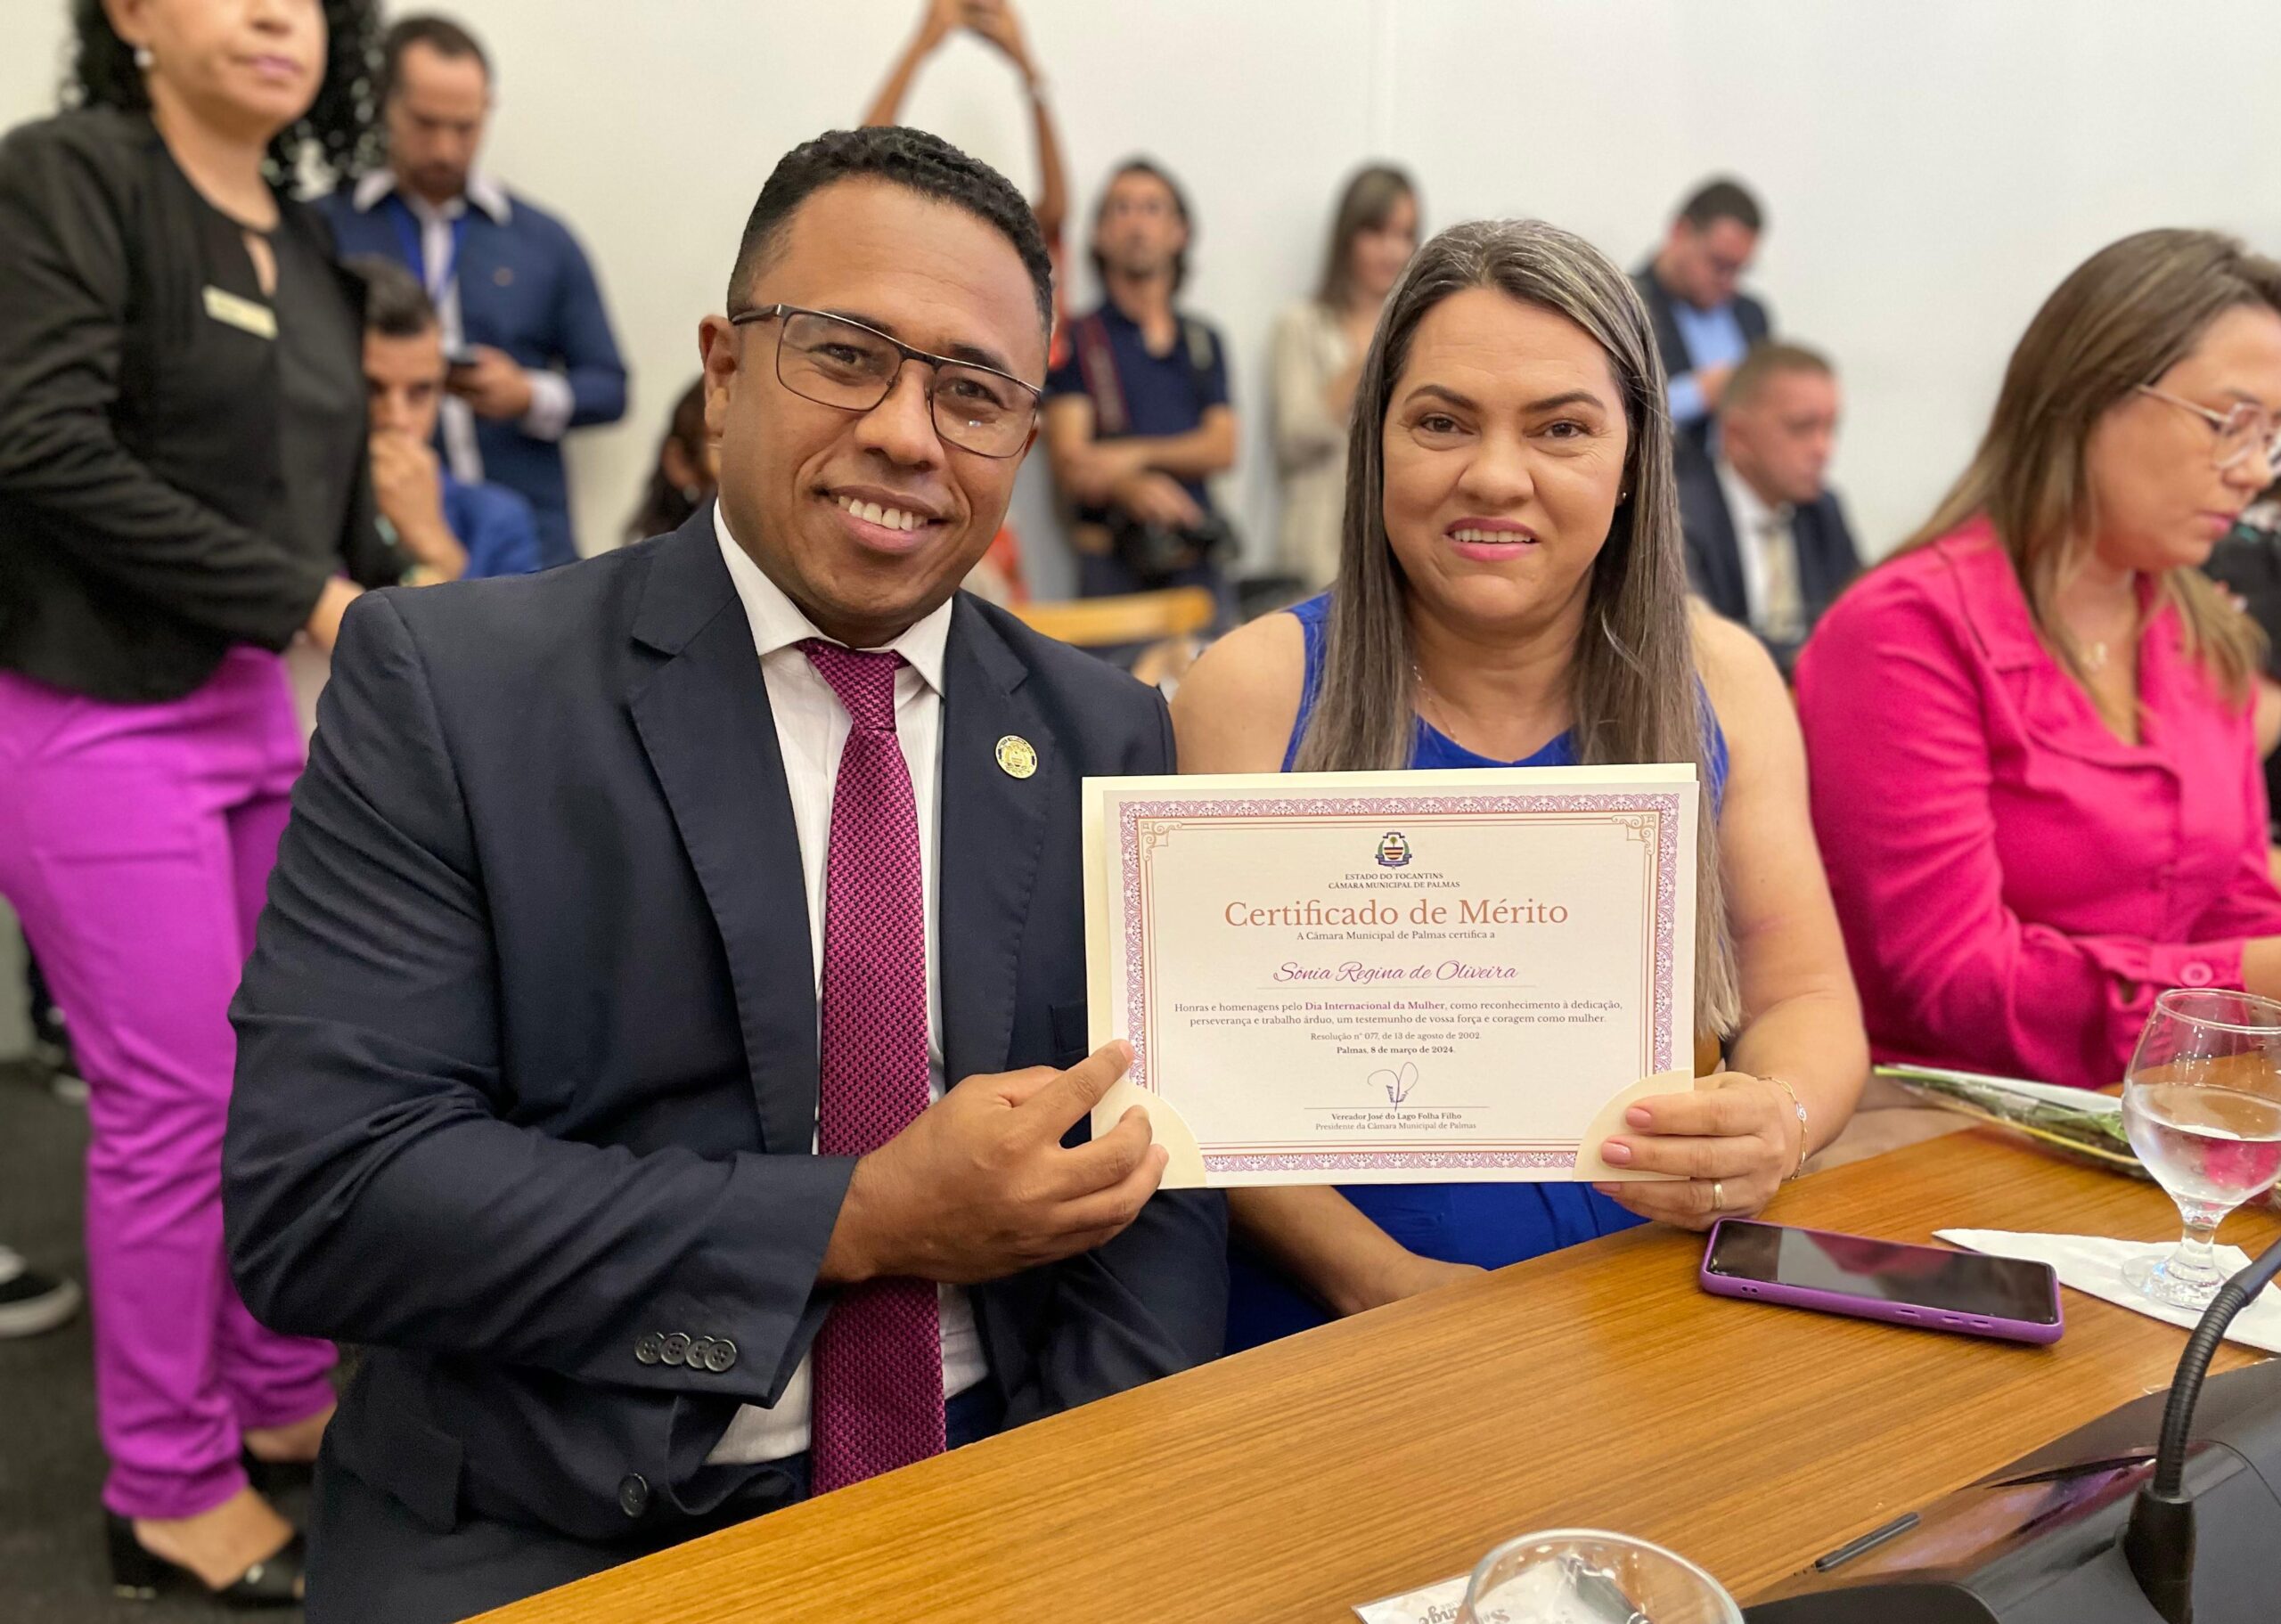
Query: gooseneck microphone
[2159, 1543]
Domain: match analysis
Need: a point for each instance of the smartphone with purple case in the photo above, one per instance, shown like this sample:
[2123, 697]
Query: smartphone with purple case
[1931, 1287]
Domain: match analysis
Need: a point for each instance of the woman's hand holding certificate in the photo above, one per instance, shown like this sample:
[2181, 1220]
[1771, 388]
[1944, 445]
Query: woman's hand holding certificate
[1730, 1143]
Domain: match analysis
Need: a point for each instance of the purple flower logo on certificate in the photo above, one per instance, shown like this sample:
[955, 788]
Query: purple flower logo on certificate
[1397, 1084]
[1393, 850]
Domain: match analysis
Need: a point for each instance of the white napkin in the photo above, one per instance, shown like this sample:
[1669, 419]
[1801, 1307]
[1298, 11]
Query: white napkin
[2092, 1263]
[1435, 1604]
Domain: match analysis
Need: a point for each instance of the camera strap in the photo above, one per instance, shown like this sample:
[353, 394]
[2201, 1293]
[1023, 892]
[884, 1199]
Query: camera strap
[1097, 364]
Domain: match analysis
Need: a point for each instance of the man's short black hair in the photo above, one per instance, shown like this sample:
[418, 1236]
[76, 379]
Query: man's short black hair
[439, 34]
[1155, 171]
[911, 158]
[396, 305]
[1723, 200]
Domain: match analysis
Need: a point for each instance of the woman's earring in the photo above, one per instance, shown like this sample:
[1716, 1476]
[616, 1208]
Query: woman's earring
[143, 59]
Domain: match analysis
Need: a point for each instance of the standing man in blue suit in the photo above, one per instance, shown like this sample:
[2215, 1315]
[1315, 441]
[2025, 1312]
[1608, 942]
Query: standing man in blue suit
[665, 1049]
[523, 318]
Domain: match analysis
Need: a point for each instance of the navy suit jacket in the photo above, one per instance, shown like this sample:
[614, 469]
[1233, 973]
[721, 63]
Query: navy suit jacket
[527, 1045]
[1750, 315]
[525, 288]
[1827, 557]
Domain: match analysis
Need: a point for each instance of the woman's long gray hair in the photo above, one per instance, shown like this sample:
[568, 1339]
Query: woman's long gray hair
[1637, 698]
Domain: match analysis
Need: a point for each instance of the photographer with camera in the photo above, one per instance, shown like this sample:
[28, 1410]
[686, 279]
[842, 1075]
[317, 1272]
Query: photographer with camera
[1137, 415]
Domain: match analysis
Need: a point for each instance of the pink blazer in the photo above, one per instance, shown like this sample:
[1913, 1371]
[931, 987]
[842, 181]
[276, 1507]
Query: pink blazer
[2015, 884]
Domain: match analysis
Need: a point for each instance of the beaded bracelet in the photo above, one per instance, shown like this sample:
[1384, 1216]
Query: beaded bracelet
[1800, 1106]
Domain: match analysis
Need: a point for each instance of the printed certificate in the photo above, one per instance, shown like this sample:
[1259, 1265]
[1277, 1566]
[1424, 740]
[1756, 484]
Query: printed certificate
[1399, 977]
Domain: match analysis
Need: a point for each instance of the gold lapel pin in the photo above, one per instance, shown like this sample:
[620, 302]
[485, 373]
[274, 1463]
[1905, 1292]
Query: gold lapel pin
[502, 276]
[1017, 757]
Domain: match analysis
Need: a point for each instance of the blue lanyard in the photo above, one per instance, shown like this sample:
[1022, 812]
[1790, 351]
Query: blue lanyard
[413, 241]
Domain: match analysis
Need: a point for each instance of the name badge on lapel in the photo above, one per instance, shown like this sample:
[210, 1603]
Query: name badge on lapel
[243, 314]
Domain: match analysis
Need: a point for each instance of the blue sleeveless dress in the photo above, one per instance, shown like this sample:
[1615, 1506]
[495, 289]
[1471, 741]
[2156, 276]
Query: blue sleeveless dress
[1488, 1224]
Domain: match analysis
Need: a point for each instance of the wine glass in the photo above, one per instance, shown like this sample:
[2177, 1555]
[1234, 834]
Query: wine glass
[1582, 1575]
[2201, 1105]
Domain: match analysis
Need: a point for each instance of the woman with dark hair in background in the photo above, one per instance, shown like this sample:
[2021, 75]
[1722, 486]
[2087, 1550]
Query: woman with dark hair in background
[685, 475]
[184, 491]
[1512, 591]
[1317, 358]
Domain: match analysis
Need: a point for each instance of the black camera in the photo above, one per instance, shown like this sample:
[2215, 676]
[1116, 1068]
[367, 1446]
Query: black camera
[1156, 553]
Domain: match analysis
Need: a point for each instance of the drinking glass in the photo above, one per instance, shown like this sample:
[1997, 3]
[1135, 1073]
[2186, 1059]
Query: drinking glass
[2202, 1105]
[1582, 1575]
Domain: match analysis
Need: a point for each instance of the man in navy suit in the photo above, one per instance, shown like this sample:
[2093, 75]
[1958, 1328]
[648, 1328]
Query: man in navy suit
[521, 312]
[664, 1048]
[1766, 541]
[1692, 288]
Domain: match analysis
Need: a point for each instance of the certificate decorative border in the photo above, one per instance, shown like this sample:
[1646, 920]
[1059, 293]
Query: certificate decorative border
[1662, 804]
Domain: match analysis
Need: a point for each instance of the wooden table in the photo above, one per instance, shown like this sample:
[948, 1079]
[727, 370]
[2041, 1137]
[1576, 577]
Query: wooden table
[1597, 1386]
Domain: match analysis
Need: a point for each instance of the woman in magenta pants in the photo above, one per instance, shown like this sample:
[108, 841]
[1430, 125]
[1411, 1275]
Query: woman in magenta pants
[183, 492]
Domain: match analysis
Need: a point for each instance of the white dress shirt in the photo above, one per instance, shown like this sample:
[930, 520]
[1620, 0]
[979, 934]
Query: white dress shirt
[1757, 527]
[548, 417]
[812, 728]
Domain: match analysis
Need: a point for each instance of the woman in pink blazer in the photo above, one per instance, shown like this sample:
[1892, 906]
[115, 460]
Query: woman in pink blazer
[2033, 775]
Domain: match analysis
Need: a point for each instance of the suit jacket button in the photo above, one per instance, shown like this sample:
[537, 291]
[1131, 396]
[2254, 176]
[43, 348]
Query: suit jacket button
[676, 1348]
[649, 1348]
[632, 1494]
[722, 1356]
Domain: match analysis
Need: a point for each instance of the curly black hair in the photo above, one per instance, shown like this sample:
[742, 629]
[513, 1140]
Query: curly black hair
[341, 132]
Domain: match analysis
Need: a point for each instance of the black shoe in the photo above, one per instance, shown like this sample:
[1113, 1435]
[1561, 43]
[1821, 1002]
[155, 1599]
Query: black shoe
[138, 1576]
[31, 1301]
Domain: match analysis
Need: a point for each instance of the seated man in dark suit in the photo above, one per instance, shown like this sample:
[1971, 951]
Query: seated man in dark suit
[1767, 542]
[1703, 322]
[665, 1048]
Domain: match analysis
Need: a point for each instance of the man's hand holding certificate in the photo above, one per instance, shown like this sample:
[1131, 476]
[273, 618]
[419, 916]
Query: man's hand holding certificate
[1389, 978]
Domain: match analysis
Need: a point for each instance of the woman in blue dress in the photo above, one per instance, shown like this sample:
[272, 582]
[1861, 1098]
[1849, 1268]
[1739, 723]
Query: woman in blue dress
[1512, 590]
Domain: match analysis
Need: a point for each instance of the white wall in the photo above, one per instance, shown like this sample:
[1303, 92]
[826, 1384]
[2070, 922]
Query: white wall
[1930, 167]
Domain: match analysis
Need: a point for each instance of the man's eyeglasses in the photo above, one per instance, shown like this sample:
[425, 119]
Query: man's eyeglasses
[2247, 429]
[835, 361]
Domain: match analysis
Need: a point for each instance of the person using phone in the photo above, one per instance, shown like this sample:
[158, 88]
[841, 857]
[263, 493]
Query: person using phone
[520, 307]
[1512, 591]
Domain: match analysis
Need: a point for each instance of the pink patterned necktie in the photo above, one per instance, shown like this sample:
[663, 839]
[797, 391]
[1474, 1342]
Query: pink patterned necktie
[879, 1358]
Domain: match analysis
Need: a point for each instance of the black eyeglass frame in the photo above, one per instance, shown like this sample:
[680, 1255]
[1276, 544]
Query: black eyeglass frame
[907, 354]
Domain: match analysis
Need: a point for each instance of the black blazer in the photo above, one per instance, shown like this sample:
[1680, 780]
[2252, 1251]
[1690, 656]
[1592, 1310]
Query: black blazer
[1827, 557]
[139, 445]
[2247, 564]
[1750, 315]
[527, 1061]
